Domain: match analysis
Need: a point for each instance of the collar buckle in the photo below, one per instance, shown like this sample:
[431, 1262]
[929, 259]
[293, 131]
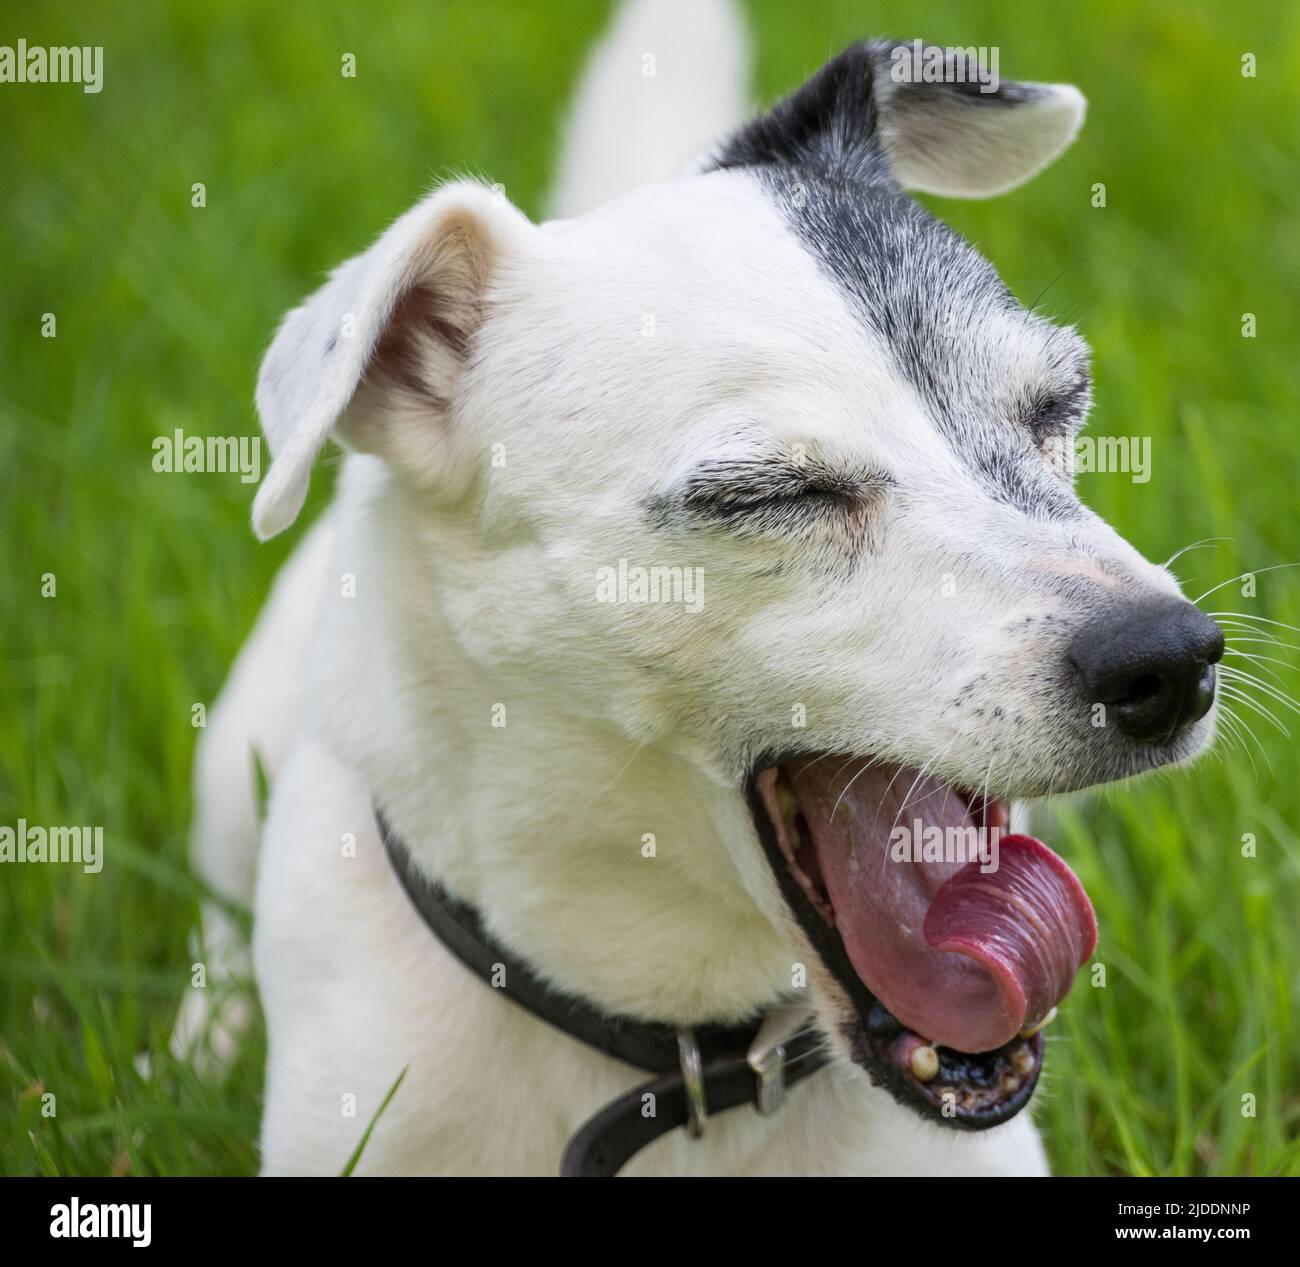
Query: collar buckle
[767, 1052]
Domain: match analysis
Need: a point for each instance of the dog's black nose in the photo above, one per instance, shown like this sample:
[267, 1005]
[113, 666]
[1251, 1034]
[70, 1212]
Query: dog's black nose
[1151, 665]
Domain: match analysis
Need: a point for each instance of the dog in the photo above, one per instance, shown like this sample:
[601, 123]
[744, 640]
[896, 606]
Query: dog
[698, 574]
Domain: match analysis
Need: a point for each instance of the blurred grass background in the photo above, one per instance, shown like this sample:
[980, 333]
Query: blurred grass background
[163, 311]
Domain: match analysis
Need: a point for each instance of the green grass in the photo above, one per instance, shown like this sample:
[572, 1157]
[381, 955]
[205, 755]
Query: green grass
[163, 311]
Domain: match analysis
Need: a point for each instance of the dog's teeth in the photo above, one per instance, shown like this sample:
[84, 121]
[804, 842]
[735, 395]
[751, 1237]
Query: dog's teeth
[1022, 1059]
[1030, 1030]
[924, 1063]
[786, 803]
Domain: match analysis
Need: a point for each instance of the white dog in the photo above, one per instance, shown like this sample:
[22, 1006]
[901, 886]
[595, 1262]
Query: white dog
[701, 580]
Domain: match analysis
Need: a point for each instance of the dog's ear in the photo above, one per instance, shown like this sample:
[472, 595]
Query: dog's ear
[954, 138]
[378, 351]
[919, 114]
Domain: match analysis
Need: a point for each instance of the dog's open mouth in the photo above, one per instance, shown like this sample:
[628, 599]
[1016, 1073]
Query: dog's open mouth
[954, 941]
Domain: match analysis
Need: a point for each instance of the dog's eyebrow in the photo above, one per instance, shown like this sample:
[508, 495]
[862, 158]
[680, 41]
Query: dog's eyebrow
[771, 491]
[1058, 402]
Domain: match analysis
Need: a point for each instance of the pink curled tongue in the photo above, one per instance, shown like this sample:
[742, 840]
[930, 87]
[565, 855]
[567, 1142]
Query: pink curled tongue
[964, 957]
[1029, 924]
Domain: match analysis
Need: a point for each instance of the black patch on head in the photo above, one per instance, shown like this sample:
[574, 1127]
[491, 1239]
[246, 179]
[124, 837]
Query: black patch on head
[910, 279]
[829, 126]
[832, 124]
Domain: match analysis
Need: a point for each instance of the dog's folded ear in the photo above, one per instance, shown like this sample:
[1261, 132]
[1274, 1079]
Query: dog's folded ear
[379, 349]
[938, 120]
[963, 135]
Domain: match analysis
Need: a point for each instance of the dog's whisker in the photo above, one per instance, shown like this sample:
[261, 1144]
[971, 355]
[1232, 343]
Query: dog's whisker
[925, 768]
[865, 767]
[921, 773]
[1268, 642]
[1241, 681]
[1237, 742]
[844, 765]
[1228, 746]
[884, 857]
[892, 781]
[1241, 628]
[1273, 692]
[810, 1028]
[883, 796]
[1242, 725]
[1195, 545]
[804, 1055]
[944, 786]
[1263, 620]
[1248, 633]
[807, 765]
[1083, 259]
[1276, 567]
[1261, 660]
[1241, 697]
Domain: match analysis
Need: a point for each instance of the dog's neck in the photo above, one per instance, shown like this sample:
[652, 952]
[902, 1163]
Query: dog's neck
[616, 867]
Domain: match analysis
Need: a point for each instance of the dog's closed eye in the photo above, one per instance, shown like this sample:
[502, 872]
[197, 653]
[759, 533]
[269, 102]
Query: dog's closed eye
[791, 494]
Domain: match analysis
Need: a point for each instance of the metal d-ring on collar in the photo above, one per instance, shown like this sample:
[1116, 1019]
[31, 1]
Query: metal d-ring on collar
[688, 1053]
[701, 1071]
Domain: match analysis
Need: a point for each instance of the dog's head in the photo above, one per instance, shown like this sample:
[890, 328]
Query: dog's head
[765, 462]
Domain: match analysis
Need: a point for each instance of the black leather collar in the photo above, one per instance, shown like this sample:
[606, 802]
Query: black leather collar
[703, 1070]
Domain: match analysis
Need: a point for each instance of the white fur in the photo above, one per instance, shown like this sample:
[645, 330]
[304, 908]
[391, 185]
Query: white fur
[457, 575]
[668, 79]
